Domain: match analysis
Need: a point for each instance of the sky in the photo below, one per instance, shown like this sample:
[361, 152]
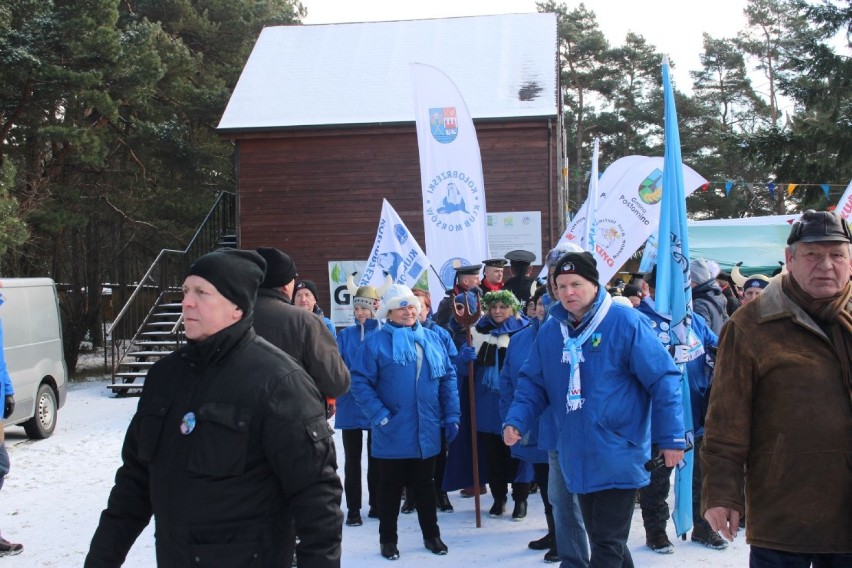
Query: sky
[674, 26]
[56, 489]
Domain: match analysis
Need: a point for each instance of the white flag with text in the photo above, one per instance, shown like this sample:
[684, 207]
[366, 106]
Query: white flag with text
[628, 210]
[451, 177]
[394, 252]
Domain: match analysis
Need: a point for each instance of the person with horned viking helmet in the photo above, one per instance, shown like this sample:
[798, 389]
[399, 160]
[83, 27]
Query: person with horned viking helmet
[752, 285]
[350, 419]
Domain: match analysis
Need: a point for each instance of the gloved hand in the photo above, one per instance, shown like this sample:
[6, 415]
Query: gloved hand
[451, 431]
[9, 406]
[467, 354]
[330, 407]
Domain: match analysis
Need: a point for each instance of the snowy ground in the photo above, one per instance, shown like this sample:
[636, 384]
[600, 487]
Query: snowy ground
[57, 487]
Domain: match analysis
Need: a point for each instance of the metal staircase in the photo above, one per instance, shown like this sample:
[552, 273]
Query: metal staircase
[150, 325]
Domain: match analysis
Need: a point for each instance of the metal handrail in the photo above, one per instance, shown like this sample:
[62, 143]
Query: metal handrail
[140, 286]
[177, 325]
[165, 274]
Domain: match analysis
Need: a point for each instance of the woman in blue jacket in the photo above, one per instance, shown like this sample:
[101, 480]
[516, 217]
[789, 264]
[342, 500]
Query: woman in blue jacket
[491, 337]
[427, 322]
[401, 378]
[615, 390]
[349, 417]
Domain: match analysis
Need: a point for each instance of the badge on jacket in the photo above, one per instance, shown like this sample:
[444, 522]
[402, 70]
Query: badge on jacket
[187, 425]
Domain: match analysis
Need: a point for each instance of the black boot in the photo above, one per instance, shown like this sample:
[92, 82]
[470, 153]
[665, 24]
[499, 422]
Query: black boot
[703, 534]
[498, 508]
[551, 555]
[390, 551]
[444, 504]
[659, 542]
[548, 541]
[435, 545]
[353, 519]
[520, 510]
[544, 543]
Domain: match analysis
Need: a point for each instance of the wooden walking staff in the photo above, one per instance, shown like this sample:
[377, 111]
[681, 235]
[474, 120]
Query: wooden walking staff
[466, 314]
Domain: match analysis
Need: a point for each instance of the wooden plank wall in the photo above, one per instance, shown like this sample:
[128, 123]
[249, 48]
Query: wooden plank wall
[317, 194]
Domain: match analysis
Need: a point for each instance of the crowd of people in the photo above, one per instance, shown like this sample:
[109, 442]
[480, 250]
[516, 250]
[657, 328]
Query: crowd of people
[568, 388]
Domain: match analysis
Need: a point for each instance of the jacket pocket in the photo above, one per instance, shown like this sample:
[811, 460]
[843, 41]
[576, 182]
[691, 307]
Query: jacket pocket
[220, 445]
[318, 429]
[150, 420]
[230, 555]
[614, 437]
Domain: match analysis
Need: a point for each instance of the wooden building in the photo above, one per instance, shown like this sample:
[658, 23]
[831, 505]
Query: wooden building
[323, 120]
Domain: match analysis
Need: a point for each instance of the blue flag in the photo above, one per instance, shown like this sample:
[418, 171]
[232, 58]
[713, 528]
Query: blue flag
[673, 292]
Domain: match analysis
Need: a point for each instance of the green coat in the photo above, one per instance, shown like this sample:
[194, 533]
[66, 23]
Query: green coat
[780, 422]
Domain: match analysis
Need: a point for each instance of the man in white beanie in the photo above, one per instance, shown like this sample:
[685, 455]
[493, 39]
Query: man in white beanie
[402, 379]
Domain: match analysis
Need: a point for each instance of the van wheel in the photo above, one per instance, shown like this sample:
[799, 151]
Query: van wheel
[41, 425]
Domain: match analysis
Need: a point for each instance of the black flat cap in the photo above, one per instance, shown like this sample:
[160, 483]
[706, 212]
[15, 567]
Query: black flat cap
[470, 269]
[495, 262]
[520, 257]
[819, 226]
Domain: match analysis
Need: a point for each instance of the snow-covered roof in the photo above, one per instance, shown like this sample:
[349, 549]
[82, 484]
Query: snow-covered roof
[339, 74]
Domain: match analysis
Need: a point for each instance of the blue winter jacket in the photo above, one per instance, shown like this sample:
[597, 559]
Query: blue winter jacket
[516, 354]
[328, 323]
[699, 372]
[417, 408]
[445, 337]
[490, 342]
[625, 368]
[349, 415]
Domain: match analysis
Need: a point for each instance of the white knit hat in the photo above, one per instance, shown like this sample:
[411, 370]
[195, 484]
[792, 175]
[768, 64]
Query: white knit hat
[397, 296]
[700, 272]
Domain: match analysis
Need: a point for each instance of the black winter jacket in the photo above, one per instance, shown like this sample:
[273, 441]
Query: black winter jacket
[219, 480]
[304, 337]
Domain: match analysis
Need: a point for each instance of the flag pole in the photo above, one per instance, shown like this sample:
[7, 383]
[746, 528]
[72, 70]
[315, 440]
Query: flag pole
[468, 315]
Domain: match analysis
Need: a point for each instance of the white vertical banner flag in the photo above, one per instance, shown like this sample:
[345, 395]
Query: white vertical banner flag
[592, 200]
[628, 211]
[450, 175]
[395, 252]
[844, 206]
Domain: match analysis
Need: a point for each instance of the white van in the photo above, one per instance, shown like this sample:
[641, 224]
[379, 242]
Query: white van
[32, 345]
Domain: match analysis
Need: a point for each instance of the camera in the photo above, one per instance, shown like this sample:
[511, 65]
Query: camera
[659, 460]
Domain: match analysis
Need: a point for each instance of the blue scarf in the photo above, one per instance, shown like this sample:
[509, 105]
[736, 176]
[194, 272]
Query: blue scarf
[404, 339]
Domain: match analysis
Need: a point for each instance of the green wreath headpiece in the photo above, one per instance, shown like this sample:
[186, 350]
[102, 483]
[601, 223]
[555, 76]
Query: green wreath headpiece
[504, 296]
